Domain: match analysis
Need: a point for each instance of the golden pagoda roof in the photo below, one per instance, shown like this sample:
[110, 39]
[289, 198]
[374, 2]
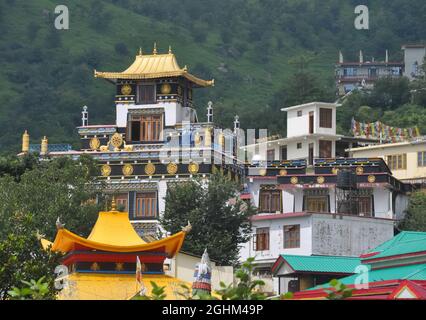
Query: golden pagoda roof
[82, 286]
[151, 66]
[113, 232]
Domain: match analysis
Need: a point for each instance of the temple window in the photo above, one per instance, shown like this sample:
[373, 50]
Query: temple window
[326, 118]
[145, 128]
[146, 205]
[421, 159]
[270, 156]
[325, 148]
[316, 200]
[261, 239]
[365, 206]
[146, 94]
[292, 236]
[122, 202]
[397, 162]
[270, 201]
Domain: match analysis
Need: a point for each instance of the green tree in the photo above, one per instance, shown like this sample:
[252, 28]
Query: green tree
[52, 189]
[415, 218]
[220, 220]
[33, 195]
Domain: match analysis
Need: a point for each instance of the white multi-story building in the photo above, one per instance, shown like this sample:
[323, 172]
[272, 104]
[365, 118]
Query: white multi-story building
[318, 205]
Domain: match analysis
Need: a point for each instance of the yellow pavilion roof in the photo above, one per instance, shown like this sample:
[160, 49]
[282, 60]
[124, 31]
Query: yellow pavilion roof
[151, 66]
[113, 232]
[89, 286]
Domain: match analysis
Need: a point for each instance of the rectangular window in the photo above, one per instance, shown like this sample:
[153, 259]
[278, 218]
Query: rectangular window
[397, 162]
[122, 201]
[261, 242]
[270, 155]
[326, 119]
[299, 145]
[145, 128]
[421, 159]
[299, 113]
[146, 205]
[364, 206]
[292, 236]
[146, 94]
[317, 203]
[325, 148]
[284, 153]
[270, 201]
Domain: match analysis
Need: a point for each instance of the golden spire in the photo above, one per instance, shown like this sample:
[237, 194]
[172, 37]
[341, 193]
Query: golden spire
[44, 146]
[170, 49]
[154, 51]
[113, 207]
[140, 51]
[25, 142]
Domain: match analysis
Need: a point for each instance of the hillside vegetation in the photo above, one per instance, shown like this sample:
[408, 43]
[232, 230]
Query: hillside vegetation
[258, 52]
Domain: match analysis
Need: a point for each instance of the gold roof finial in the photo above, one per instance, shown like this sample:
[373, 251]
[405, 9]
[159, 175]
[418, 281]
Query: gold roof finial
[113, 207]
[154, 51]
[25, 142]
[140, 51]
[44, 146]
[170, 49]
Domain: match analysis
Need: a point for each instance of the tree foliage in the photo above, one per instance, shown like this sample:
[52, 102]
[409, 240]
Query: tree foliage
[415, 218]
[32, 195]
[220, 220]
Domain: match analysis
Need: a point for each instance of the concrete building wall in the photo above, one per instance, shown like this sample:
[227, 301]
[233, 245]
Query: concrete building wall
[348, 235]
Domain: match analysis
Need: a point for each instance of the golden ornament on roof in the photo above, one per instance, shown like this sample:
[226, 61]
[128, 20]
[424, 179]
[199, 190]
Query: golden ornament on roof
[117, 140]
[335, 170]
[371, 178]
[193, 167]
[127, 169]
[94, 144]
[294, 180]
[149, 169]
[197, 139]
[172, 168]
[321, 180]
[359, 170]
[126, 89]
[283, 172]
[165, 88]
[105, 170]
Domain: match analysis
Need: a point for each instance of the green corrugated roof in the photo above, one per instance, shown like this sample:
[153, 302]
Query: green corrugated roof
[330, 264]
[410, 272]
[404, 242]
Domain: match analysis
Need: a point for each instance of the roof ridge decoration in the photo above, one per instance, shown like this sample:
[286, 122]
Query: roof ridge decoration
[153, 66]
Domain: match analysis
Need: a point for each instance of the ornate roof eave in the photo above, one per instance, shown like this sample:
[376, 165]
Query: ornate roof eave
[132, 76]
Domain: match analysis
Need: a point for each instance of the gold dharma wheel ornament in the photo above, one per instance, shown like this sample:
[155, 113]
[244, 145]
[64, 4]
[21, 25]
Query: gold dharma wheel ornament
[94, 144]
[283, 172]
[335, 170]
[126, 90]
[172, 168]
[149, 169]
[193, 168]
[116, 141]
[127, 169]
[262, 172]
[294, 180]
[371, 179]
[165, 88]
[321, 180]
[105, 170]
[359, 170]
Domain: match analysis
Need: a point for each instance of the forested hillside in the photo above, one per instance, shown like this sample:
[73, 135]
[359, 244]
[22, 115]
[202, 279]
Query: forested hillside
[259, 52]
